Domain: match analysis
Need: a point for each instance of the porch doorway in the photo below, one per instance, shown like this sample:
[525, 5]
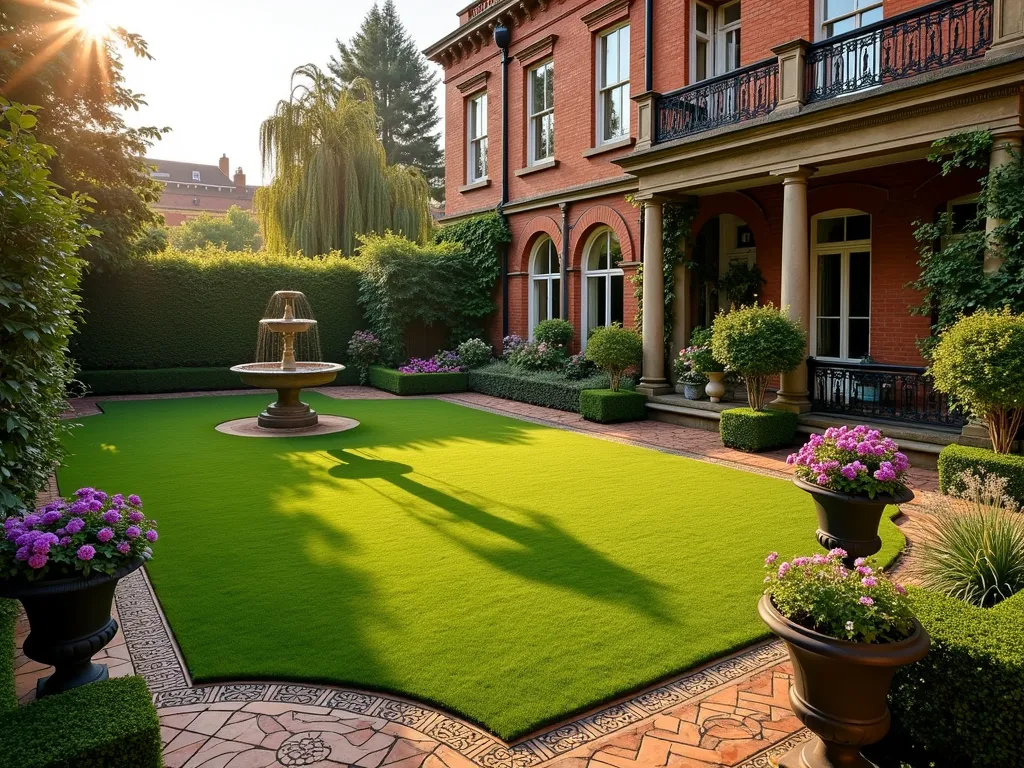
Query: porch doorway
[724, 246]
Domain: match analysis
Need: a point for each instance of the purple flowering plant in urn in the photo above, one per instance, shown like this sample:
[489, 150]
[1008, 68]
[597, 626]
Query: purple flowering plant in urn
[852, 474]
[63, 562]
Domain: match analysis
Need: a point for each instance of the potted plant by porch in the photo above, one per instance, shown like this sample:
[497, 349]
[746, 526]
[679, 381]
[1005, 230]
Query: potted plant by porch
[847, 631]
[63, 562]
[852, 474]
[704, 362]
[689, 382]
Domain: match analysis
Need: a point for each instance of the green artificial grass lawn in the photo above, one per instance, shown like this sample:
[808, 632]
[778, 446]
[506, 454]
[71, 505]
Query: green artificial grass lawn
[507, 571]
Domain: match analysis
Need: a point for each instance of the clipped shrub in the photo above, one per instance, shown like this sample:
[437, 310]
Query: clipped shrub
[758, 342]
[8, 616]
[954, 460]
[546, 388]
[391, 380]
[614, 350]
[965, 700]
[979, 363]
[110, 724]
[748, 430]
[474, 352]
[554, 331]
[607, 406]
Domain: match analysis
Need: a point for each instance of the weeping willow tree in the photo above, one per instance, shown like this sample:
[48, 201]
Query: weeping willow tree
[331, 181]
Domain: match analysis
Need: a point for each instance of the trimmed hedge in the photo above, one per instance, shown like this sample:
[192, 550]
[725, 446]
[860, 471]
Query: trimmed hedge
[965, 700]
[954, 460]
[607, 407]
[753, 431]
[8, 697]
[391, 380]
[175, 380]
[112, 724]
[549, 389]
[201, 309]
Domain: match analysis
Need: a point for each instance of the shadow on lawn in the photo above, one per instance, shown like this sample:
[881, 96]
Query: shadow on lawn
[545, 552]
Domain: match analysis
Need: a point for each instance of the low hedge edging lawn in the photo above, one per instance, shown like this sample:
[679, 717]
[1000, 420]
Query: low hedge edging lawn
[748, 430]
[607, 407]
[954, 460]
[965, 700]
[8, 698]
[391, 380]
[156, 380]
[552, 390]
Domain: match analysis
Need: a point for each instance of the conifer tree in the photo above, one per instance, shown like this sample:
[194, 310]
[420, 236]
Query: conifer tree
[403, 87]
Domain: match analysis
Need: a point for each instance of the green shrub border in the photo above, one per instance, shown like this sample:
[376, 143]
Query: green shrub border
[965, 700]
[8, 615]
[157, 380]
[954, 460]
[112, 724]
[391, 380]
[551, 390]
[607, 407]
[753, 431]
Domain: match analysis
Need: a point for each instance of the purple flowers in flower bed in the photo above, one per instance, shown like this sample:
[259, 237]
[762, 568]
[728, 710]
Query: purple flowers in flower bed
[89, 532]
[855, 461]
[443, 363]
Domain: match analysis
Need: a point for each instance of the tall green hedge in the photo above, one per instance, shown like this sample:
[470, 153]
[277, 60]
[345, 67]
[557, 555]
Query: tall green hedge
[202, 308]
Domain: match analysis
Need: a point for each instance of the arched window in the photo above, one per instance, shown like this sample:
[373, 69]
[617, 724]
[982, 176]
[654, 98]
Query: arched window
[603, 282]
[841, 276]
[545, 285]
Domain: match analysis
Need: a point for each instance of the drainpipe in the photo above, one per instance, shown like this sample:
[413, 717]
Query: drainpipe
[502, 38]
[563, 270]
[649, 47]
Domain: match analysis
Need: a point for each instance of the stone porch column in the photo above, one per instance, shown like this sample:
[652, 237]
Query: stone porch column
[796, 279]
[1002, 147]
[681, 314]
[652, 381]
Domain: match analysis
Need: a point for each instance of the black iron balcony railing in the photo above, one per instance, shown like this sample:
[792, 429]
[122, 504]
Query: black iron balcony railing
[739, 95]
[897, 393]
[922, 40]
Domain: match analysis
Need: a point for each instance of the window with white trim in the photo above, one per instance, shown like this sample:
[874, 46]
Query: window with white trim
[476, 137]
[545, 283]
[716, 39]
[841, 272]
[195, 176]
[613, 85]
[839, 16]
[541, 109]
[603, 283]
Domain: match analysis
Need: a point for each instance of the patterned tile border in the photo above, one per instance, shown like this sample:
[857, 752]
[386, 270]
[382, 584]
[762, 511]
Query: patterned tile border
[157, 659]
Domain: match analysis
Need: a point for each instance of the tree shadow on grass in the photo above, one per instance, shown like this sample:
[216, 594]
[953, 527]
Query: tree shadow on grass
[543, 551]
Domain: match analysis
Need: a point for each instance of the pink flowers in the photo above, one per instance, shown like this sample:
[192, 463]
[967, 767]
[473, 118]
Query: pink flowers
[419, 365]
[857, 461]
[865, 600]
[86, 552]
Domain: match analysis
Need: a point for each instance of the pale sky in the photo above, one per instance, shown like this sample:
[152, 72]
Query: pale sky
[220, 66]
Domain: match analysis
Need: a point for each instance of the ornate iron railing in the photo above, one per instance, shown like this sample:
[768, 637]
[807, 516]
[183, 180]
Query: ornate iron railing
[921, 40]
[739, 95]
[898, 393]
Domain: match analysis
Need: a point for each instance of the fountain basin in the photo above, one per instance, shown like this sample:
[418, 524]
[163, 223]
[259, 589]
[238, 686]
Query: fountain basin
[280, 325]
[289, 412]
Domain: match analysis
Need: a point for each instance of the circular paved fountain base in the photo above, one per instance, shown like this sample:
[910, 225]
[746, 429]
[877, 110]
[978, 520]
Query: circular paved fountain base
[249, 428]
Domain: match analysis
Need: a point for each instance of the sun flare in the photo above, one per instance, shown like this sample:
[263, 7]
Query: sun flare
[92, 20]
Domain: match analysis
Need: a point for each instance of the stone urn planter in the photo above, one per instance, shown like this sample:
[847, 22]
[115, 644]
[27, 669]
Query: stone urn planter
[840, 689]
[850, 521]
[69, 621]
[715, 386]
[690, 391]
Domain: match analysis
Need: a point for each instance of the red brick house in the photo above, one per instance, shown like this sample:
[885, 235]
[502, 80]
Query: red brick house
[798, 129]
[191, 189]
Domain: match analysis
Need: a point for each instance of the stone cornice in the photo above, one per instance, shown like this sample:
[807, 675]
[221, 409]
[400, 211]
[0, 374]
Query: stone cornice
[474, 83]
[476, 33]
[538, 50]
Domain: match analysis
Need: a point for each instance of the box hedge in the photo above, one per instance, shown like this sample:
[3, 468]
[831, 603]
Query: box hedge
[201, 309]
[607, 407]
[111, 724]
[391, 380]
[552, 390]
[749, 430]
[954, 460]
[129, 382]
[8, 614]
[965, 700]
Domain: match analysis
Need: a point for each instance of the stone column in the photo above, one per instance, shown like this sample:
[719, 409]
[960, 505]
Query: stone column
[652, 381]
[681, 314]
[796, 280]
[1002, 148]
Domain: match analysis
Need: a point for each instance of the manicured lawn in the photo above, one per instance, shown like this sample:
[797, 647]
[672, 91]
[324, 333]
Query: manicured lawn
[509, 572]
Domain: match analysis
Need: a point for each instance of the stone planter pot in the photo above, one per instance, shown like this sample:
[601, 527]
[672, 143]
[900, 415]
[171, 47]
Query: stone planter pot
[715, 386]
[690, 391]
[839, 690]
[69, 621]
[849, 521]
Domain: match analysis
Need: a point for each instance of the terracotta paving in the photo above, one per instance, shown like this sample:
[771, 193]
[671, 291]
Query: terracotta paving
[732, 713]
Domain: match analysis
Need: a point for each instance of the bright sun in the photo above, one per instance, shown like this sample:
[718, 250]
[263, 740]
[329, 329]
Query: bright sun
[92, 20]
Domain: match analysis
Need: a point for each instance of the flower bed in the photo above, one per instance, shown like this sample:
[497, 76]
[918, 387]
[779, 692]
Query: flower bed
[857, 461]
[549, 389]
[392, 380]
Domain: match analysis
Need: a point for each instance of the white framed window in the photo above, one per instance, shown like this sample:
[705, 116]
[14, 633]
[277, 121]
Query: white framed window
[541, 110]
[841, 276]
[476, 138]
[613, 85]
[717, 39]
[603, 283]
[195, 176]
[545, 283]
[838, 16]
